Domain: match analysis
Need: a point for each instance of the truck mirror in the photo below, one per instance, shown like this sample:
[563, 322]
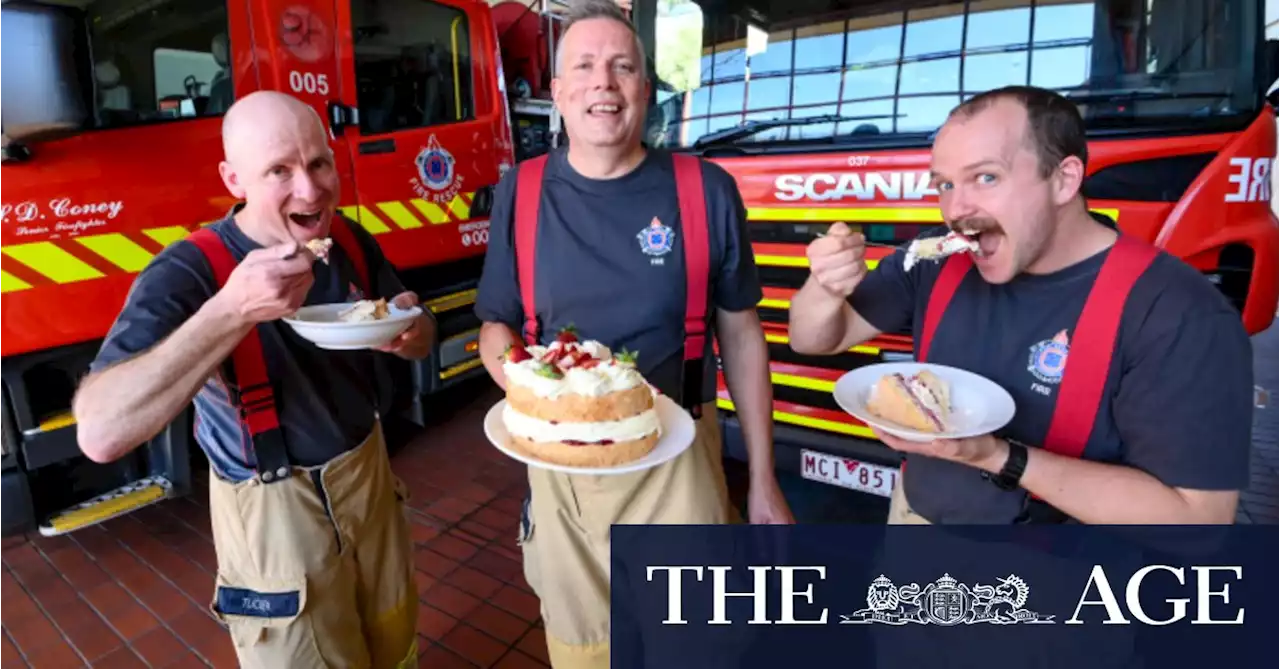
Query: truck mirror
[40, 80]
[14, 151]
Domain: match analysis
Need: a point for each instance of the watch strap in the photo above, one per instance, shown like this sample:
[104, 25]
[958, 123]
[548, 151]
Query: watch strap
[1010, 475]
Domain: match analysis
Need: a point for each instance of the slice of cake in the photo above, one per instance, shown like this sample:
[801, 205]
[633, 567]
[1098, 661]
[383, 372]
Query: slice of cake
[937, 248]
[364, 311]
[321, 247]
[920, 401]
[577, 404]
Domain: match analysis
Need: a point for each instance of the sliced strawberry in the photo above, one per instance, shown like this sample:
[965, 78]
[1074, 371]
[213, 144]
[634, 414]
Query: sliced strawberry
[568, 334]
[519, 354]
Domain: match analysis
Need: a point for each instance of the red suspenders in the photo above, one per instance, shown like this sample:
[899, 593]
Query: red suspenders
[693, 223]
[697, 251]
[252, 391]
[1093, 339]
[528, 202]
[953, 272]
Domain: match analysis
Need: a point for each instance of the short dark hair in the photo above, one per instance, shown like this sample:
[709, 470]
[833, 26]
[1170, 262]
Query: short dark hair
[1056, 129]
[585, 10]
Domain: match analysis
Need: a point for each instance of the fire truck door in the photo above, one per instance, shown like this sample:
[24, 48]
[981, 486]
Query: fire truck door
[418, 146]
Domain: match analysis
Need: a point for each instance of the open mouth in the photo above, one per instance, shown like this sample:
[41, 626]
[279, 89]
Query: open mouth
[604, 109]
[988, 236]
[306, 219]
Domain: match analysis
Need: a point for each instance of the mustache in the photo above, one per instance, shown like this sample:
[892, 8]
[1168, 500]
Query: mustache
[974, 224]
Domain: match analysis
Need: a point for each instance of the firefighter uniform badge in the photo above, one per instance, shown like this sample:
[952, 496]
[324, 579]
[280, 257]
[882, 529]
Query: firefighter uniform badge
[1048, 358]
[656, 240]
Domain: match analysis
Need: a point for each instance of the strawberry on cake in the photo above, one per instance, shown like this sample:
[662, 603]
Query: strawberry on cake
[575, 403]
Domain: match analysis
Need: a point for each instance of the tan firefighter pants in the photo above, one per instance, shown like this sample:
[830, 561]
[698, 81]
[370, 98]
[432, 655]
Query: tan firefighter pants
[565, 539]
[310, 580]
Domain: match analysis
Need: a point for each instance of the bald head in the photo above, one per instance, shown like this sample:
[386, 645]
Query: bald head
[265, 116]
[278, 160]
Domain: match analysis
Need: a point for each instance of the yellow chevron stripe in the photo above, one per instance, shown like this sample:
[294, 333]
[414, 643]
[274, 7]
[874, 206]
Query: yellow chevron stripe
[10, 283]
[782, 261]
[809, 421]
[167, 236]
[801, 261]
[460, 208]
[51, 261]
[863, 214]
[119, 250]
[768, 303]
[774, 338]
[820, 385]
[366, 218]
[399, 214]
[430, 210]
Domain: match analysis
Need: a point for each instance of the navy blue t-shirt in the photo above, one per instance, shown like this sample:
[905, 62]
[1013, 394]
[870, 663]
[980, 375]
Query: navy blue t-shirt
[326, 400]
[610, 261]
[1177, 402]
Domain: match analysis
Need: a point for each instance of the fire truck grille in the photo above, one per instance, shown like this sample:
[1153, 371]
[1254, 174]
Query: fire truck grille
[771, 315]
[783, 277]
[805, 397]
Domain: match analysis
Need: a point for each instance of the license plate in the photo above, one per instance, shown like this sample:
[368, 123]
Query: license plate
[848, 473]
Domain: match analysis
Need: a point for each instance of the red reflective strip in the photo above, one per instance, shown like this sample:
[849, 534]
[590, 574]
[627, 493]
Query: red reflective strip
[1092, 345]
[944, 288]
[528, 199]
[247, 359]
[342, 235]
[693, 219]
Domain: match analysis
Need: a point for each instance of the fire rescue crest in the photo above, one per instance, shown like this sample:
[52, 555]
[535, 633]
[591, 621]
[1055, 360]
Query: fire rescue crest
[656, 239]
[437, 179]
[946, 602]
[1048, 358]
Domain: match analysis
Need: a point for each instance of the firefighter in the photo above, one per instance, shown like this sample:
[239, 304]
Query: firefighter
[1101, 339]
[614, 252]
[315, 566]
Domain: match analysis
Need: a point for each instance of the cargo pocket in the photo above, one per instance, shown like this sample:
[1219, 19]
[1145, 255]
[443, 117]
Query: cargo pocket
[267, 621]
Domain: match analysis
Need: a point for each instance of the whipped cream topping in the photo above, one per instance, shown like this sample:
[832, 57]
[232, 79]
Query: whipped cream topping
[632, 427]
[933, 248]
[576, 374]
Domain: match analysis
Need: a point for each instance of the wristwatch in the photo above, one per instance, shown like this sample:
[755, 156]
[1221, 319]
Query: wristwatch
[1011, 473]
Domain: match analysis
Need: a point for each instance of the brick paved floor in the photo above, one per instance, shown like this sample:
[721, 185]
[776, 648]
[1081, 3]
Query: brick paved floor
[133, 592]
[1259, 503]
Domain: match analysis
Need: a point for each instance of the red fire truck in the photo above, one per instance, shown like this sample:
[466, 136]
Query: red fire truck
[112, 141]
[824, 110]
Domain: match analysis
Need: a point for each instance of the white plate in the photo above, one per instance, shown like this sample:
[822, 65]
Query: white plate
[978, 405]
[678, 431]
[318, 324]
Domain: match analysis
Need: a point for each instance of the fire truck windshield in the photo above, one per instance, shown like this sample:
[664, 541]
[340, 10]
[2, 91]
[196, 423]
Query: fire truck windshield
[768, 72]
[102, 64]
